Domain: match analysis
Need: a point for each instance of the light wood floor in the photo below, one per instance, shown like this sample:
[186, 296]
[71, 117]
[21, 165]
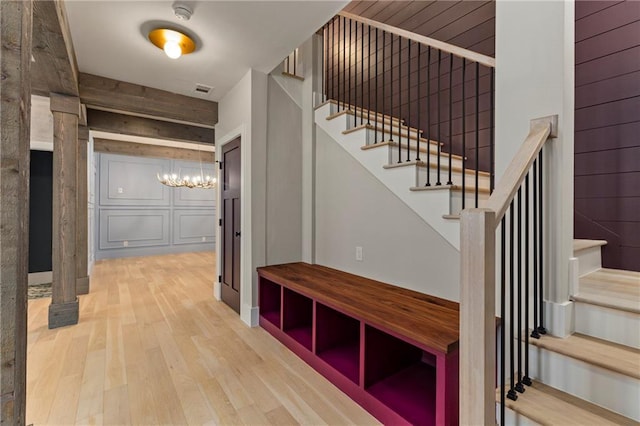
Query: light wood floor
[154, 347]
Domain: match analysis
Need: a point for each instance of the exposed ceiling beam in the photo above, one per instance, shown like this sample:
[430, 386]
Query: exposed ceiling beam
[55, 68]
[145, 150]
[105, 93]
[146, 127]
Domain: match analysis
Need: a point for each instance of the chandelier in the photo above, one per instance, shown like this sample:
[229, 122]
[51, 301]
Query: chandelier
[177, 181]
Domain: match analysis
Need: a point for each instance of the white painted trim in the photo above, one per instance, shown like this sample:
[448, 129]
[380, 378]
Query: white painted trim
[249, 314]
[574, 274]
[152, 141]
[40, 277]
[559, 318]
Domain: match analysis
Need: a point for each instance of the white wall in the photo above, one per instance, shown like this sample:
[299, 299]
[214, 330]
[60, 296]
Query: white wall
[243, 112]
[354, 209]
[534, 78]
[284, 177]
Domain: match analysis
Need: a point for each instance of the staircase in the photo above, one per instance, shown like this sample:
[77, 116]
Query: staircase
[439, 205]
[591, 377]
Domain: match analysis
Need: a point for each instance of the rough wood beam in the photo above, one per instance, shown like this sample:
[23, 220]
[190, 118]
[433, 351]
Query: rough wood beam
[154, 151]
[64, 302]
[82, 227]
[139, 126]
[55, 68]
[105, 93]
[15, 98]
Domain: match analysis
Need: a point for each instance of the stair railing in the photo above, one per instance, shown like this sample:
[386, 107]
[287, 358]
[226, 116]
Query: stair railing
[432, 100]
[521, 248]
[290, 66]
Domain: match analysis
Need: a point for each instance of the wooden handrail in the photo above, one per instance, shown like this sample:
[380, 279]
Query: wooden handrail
[445, 47]
[513, 177]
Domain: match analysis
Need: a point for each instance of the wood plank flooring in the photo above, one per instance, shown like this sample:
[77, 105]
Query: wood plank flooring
[154, 347]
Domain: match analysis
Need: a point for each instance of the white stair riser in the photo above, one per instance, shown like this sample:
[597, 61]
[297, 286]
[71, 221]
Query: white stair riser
[470, 201]
[608, 324]
[589, 260]
[614, 391]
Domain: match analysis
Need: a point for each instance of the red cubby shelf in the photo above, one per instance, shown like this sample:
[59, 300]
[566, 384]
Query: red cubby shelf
[393, 351]
[297, 316]
[338, 341]
[270, 296]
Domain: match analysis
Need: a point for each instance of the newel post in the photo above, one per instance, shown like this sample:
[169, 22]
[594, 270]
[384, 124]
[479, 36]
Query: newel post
[477, 317]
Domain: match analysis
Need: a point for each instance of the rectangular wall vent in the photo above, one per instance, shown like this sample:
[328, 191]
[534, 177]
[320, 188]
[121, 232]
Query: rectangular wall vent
[203, 89]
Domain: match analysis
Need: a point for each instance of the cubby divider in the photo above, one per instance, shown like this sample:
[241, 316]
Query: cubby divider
[338, 341]
[297, 316]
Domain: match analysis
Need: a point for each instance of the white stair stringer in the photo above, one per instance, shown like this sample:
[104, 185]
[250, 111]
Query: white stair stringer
[429, 205]
[611, 390]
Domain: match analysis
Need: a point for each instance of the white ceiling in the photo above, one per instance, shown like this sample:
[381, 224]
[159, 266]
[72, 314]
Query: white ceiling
[110, 39]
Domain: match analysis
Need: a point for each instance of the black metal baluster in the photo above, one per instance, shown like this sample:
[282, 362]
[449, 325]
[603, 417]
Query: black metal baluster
[325, 68]
[512, 392]
[419, 126]
[399, 116]
[534, 332]
[344, 69]
[464, 133]
[384, 100]
[355, 115]
[519, 385]
[526, 379]
[391, 93]
[450, 182]
[351, 106]
[477, 130]
[333, 52]
[503, 313]
[428, 116]
[408, 99]
[541, 328]
[439, 144]
[368, 75]
[295, 59]
[492, 159]
[376, 110]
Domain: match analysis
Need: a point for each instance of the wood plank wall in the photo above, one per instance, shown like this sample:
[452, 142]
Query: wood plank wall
[466, 24]
[607, 125]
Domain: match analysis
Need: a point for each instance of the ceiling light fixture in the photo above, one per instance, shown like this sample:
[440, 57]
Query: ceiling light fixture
[174, 43]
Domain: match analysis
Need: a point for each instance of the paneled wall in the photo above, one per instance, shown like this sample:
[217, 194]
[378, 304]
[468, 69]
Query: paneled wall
[138, 216]
[397, 89]
[607, 146]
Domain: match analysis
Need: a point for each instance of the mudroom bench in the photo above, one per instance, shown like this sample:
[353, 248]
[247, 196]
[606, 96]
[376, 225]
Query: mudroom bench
[393, 351]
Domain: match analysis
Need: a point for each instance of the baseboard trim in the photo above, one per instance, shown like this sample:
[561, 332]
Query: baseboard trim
[249, 315]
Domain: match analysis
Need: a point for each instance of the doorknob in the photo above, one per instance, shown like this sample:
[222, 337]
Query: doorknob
[237, 233]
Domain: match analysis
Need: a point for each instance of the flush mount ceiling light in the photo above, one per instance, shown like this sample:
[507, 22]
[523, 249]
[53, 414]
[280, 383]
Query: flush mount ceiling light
[174, 43]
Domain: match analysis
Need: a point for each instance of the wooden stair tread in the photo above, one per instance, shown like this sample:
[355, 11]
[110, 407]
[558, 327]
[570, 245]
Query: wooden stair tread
[585, 244]
[442, 167]
[611, 356]
[467, 188]
[423, 149]
[611, 288]
[549, 406]
[288, 74]
[358, 127]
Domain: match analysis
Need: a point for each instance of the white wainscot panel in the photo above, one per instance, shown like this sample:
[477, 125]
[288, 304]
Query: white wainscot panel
[133, 228]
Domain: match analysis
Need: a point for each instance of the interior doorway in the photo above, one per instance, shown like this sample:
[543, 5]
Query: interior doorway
[231, 232]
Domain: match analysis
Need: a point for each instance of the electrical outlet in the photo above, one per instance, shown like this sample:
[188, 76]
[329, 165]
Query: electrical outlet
[120, 190]
[359, 253]
[204, 239]
[125, 243]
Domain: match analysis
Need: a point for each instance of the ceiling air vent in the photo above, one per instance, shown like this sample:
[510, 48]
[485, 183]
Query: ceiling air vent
[203, 89]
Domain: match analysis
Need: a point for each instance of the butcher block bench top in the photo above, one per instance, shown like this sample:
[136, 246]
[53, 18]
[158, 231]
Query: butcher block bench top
[428, 320]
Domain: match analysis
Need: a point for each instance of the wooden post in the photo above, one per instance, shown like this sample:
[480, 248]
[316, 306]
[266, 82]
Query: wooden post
[82, 273]
[15, 98]
[64, 302]
[477, 318]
